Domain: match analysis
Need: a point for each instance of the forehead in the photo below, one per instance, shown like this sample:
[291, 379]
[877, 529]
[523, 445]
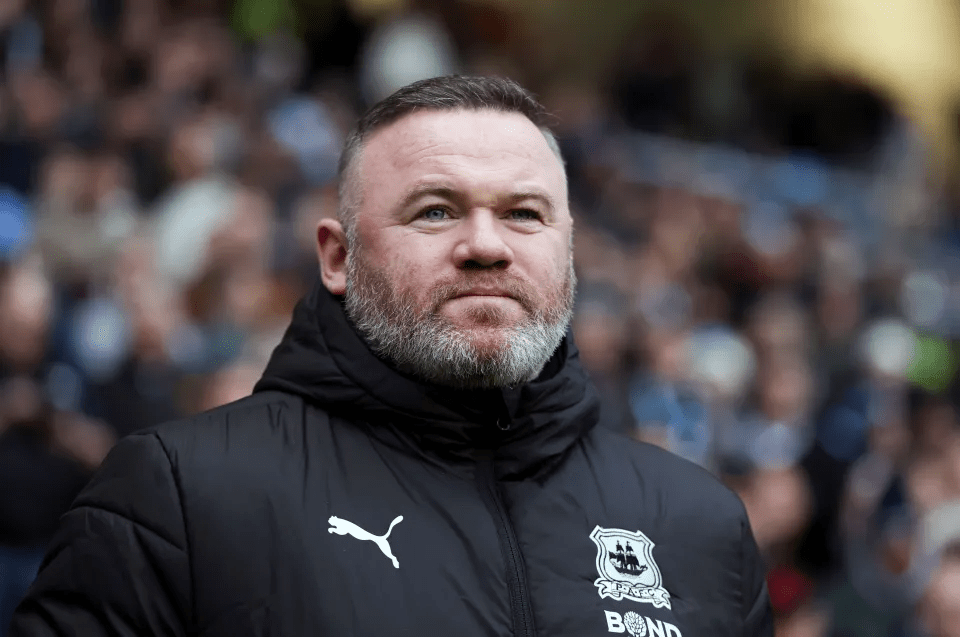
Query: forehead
[485, 145]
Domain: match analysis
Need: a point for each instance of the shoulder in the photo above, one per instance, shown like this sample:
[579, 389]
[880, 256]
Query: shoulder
[683, 486]
[248, 421]
[243, 440]
[252, 408]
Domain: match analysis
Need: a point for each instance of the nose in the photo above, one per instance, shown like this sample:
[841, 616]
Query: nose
[481, 244]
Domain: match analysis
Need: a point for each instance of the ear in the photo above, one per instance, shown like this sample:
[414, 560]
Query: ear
[332, 254]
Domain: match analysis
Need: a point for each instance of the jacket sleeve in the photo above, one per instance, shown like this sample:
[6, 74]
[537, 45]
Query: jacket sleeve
[757, 611]
[118, 565]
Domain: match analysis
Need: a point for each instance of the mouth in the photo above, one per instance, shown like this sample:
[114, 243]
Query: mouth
[484, 292]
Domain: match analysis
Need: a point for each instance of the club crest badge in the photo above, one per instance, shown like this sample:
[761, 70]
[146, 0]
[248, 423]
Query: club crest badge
[626, 567]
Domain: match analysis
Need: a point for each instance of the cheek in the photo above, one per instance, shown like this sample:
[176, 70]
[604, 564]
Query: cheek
[553, 272]
[411, 275]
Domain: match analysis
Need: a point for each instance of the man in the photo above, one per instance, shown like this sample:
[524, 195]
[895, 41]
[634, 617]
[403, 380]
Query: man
[421, 455]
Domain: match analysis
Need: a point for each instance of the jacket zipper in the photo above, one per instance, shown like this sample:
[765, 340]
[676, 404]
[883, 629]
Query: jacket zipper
[520, 607]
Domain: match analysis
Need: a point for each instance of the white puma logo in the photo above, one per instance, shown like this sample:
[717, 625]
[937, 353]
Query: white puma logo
[345, 527]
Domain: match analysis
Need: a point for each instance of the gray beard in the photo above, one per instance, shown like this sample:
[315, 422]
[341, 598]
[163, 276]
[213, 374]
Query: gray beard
[422, 342]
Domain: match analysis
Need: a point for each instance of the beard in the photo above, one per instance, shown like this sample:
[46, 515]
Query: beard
[419, 340]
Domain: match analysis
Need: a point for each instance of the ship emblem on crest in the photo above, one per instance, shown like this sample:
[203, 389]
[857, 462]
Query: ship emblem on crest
[626, 567]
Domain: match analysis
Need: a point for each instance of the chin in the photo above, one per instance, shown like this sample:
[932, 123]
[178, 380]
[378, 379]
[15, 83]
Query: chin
[488, 342]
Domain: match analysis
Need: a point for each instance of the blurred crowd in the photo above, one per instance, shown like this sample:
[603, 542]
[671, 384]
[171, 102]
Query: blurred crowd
[769, 266]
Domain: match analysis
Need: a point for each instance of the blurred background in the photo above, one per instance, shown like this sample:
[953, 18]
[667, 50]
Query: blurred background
[767, 204]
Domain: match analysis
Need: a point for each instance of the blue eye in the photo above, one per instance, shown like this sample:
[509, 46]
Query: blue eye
[524, 214]
[434, 214]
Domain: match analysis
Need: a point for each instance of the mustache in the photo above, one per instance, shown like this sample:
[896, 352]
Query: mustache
[515, 288]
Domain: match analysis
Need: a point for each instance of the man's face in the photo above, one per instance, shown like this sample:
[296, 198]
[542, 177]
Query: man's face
[461, 271]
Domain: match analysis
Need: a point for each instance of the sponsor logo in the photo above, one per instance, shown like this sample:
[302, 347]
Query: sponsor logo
[345, 527]
[639, 626]
[626, 567]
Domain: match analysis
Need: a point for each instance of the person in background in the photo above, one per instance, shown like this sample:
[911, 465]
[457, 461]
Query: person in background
[46, 454]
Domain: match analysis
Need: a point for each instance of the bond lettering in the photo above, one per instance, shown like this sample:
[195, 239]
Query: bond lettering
[655, 628]
[639, 625]
[614, 622]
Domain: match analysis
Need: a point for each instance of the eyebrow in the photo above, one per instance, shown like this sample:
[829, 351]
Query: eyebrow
[420, 191]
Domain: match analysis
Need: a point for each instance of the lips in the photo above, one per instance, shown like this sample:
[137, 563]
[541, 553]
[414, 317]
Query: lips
[485, 292]
[499, 287]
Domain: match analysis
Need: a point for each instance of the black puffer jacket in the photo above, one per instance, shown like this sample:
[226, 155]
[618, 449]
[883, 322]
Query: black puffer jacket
[343, 498]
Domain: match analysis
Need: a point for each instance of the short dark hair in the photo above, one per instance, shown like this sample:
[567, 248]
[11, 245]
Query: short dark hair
[444, 93]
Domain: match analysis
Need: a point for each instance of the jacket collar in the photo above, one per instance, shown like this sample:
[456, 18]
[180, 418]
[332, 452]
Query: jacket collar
[325, 360]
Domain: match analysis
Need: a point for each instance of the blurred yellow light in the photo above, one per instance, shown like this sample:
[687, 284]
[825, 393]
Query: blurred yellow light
[911, 48]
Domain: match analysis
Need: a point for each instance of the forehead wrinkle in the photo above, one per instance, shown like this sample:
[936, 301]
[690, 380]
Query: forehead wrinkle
[453, 149]
[426, 139]
[459, 166]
